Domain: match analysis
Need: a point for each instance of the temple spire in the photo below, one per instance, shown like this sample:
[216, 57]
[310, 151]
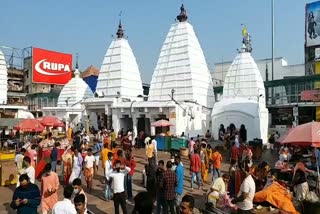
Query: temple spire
[246, 40]
[76, 72]
[182, 17]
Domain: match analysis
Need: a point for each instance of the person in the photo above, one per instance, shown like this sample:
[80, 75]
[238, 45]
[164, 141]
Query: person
[208, 134]
[78, 190]
[80, 204]
[89, 170]
[160, 193]
[119, 196]
[195, 168]
[179, 187]
[244, 199]
[149, 148]
[187, 205]
[77, 141]
[29, 170]
[66, 165]
[143, 203]
[151, 177]
[247, 154]
[97, 147]
[120, 158]
[191, 147]
[204, 162]
[108, 171]
[26, 197]
[234, 152]
[113, 139]
[130, 136]
[169, 185]
[155, 150]
[272, 141]
[218, 187]
[49, 189]
[243, 133]
[301, 186]
[54, 157]
[222, 132]
[65, 206]
[19, 160]
[132, 164]
[86, 137]
[237, 140]
[104, 155]
[32, 153]
[216, 159]
[76, 165]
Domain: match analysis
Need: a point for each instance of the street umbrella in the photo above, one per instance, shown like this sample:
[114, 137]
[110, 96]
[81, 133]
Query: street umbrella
[161, 123]
[304, 135]
[51, 121]
[29, 125]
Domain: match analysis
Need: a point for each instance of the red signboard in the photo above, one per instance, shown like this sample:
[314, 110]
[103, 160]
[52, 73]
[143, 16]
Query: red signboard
[50, 67]
[311, 95]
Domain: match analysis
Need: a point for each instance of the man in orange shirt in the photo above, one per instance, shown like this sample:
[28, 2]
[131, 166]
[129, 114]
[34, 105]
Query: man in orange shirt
[104, 155]
[216, 159]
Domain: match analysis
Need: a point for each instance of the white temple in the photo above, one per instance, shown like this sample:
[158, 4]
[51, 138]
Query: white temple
[3, 79]
[243, 100]
[119, 74]
[182, 66]
[69, 105]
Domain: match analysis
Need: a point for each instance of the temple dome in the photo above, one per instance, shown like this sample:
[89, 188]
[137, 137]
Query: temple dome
[244, 79]
[3, 79]
[74, 92]
[182, 66]
[119, 73]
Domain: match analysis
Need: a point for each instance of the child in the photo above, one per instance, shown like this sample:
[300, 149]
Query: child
[90, 162]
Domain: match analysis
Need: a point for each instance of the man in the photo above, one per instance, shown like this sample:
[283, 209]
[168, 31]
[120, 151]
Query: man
[104, 156]
[49, 189]
[108, 171]
[179, 187]
[149, 148]
[78, 190]
[89, 161]
[19, 160]
[113, 138]
[54, 157]
[244, 199]
[191, 146]
[195, 167]
[187, 205]
[97, 151]
[216, 159]
[29, 170]
[132, 164]
[26, 197]
[80, 204]
[143, 203]
[169, 184]
[234, 152]
[218, 187]
[65, 206]
[77, 141]
[120, 158]
[119, 196]
[86, 137]
[160, 190]
[155, 150]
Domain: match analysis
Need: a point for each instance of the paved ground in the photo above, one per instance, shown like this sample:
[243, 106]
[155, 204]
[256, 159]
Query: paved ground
[97, 205]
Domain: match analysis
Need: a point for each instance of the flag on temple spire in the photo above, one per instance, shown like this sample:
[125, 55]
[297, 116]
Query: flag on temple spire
[244, 31]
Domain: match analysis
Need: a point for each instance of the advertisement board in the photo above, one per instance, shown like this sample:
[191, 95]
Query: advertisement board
[50, 67]
[312, 24]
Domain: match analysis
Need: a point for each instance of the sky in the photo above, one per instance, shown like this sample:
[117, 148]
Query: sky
[86, 27]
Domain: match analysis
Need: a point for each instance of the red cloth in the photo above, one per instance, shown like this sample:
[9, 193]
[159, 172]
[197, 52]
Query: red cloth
[195, 163]
[132, 164]
[234, 153]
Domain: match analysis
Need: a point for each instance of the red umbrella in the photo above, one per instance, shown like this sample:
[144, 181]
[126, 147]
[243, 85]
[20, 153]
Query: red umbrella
[51, 121]
[161, 123]
[29, 125]
[305, 135]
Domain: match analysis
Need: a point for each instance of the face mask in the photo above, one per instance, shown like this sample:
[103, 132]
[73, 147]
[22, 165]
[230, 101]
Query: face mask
[76, 191]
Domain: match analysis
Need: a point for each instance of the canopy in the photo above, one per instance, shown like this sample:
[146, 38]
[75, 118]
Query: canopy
[305, 135]
[51, 121]
[29, 125]
[161, 123]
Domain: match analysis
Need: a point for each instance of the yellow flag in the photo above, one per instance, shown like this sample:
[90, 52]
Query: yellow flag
[244, 31]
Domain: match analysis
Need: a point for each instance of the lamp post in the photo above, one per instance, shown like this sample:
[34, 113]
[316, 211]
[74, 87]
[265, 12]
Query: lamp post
[172, 93]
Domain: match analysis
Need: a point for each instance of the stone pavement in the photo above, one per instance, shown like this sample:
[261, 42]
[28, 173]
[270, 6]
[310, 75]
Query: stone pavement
[97, 205]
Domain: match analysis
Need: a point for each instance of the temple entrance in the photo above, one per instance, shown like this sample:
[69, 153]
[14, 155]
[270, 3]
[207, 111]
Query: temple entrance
[144, 124]
[126, 123]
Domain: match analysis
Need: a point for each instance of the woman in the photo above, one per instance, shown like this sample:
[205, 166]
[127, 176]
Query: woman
[67, 164]
[218, 187]
[76, 165]
[243, 133]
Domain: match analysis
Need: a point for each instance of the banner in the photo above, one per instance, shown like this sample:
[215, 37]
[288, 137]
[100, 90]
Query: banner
[312, 24]
[50, 67]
